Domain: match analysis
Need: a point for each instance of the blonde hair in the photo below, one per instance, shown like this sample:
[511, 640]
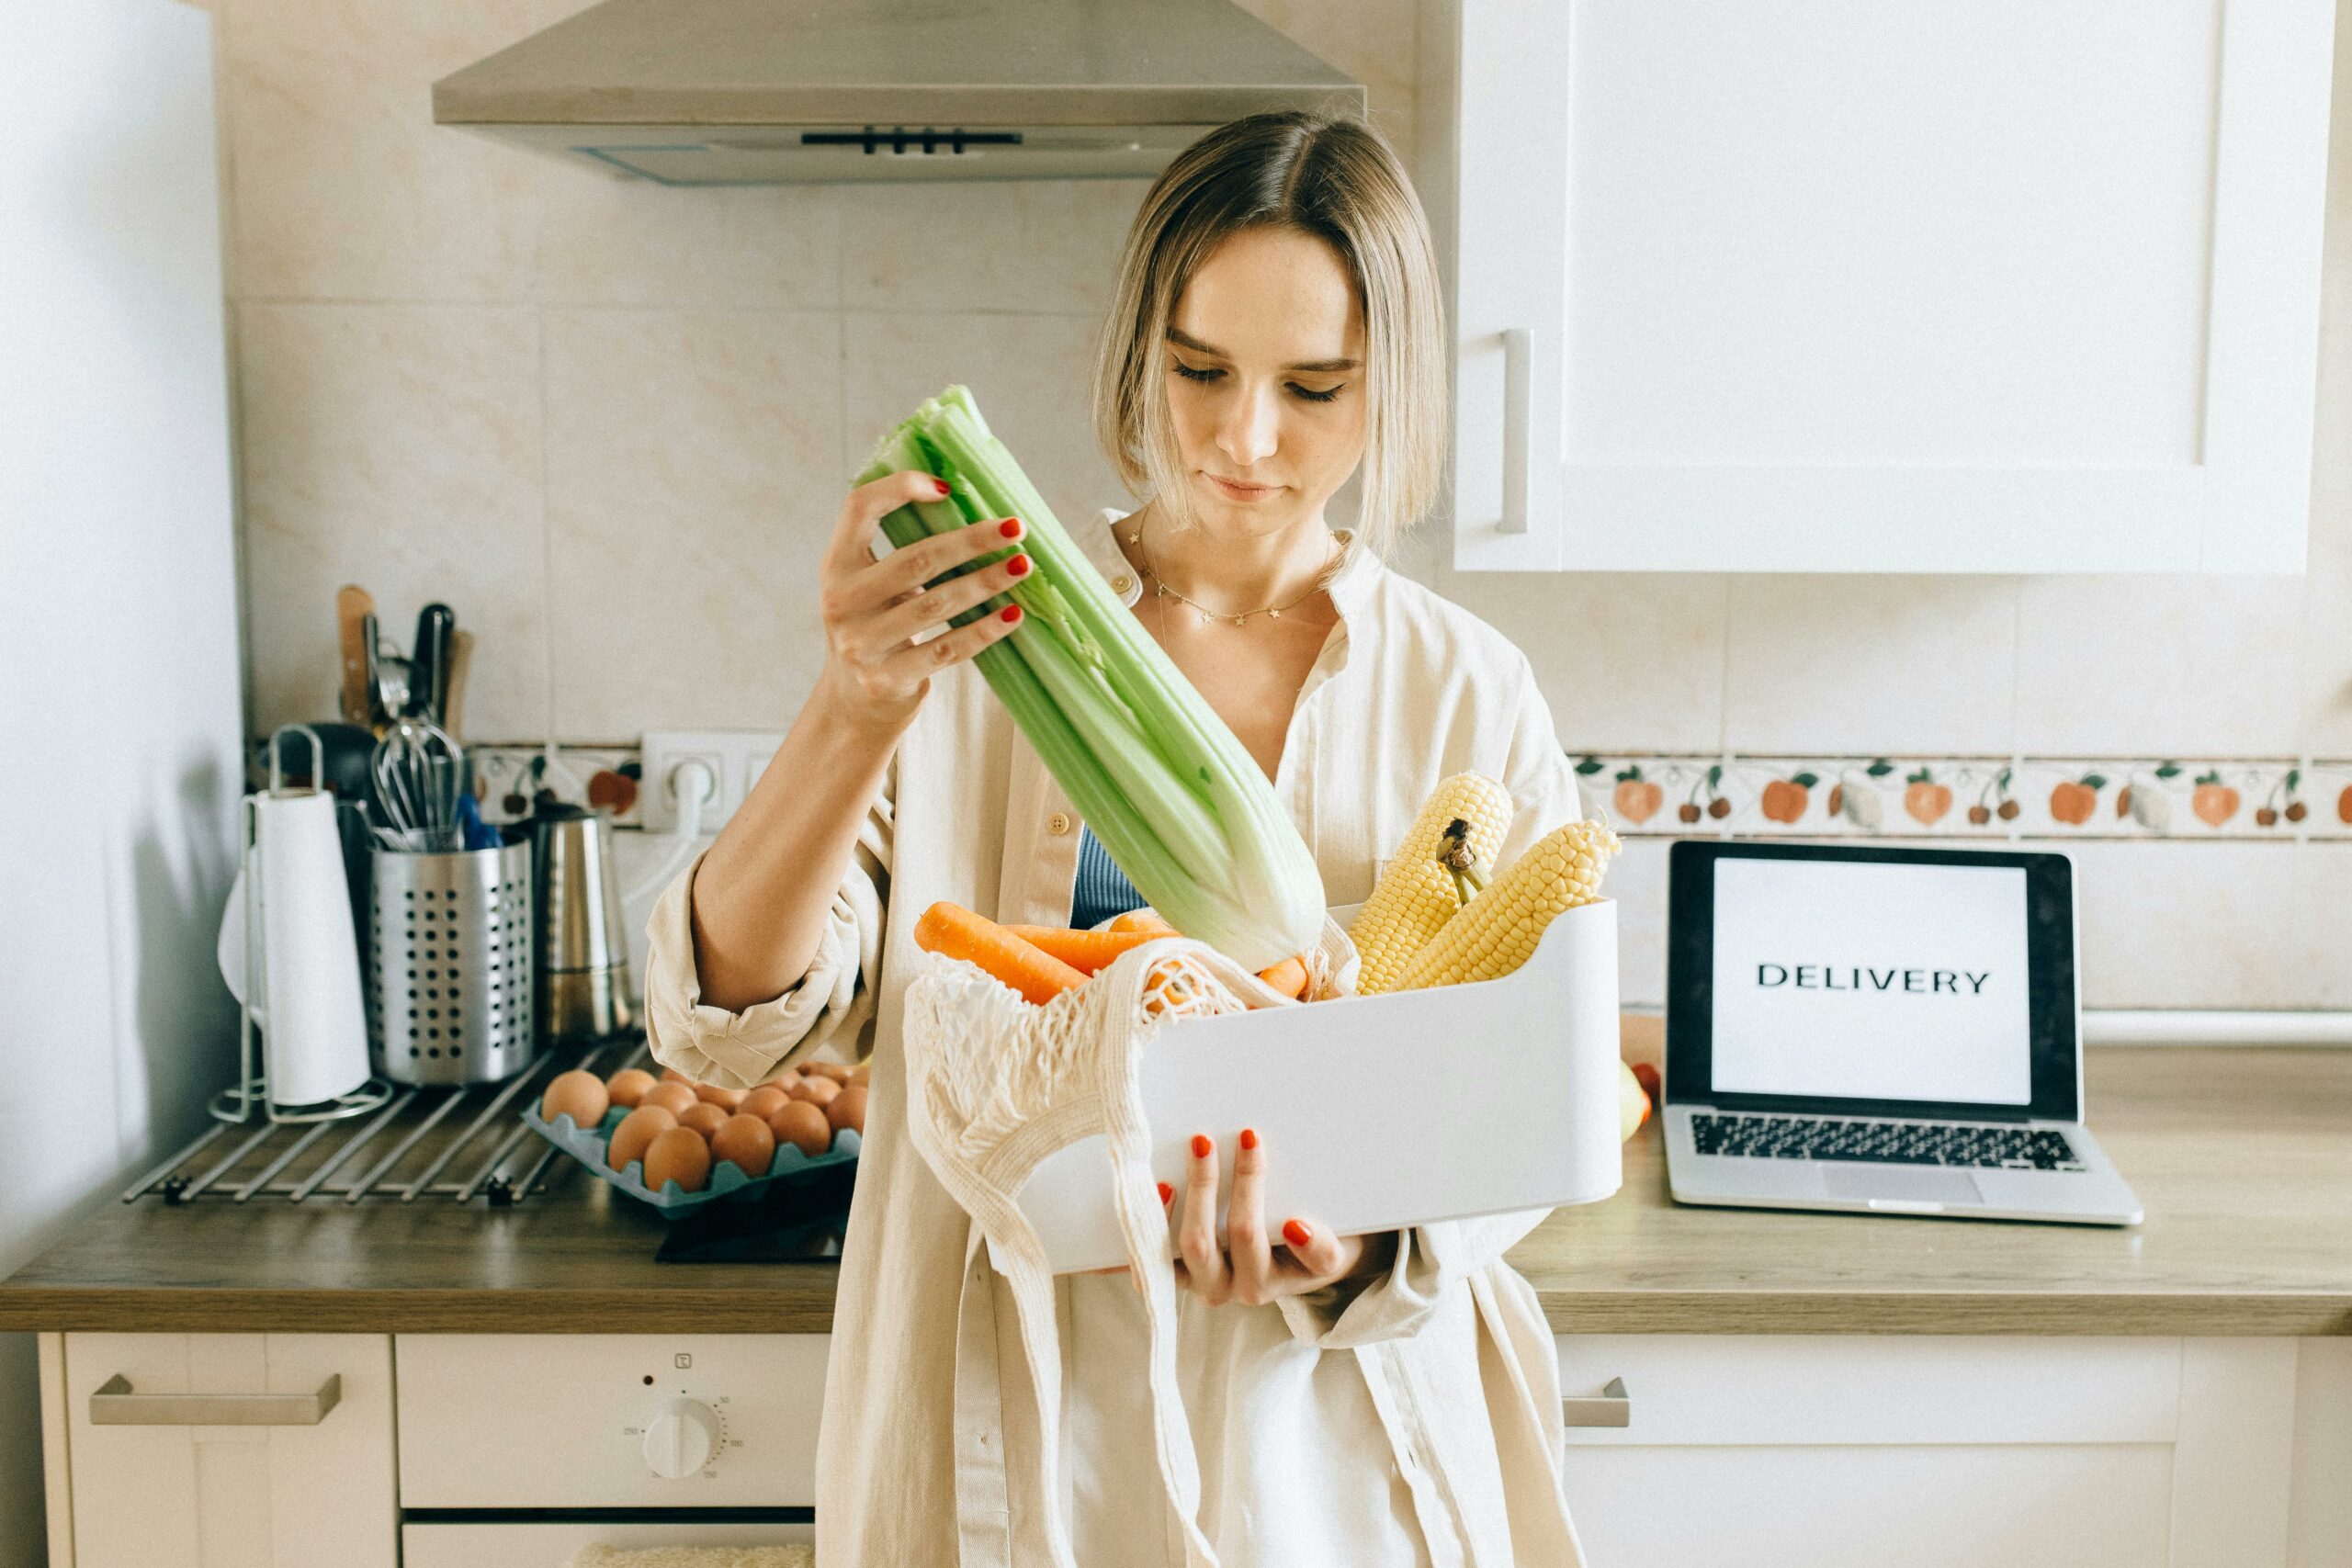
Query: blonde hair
[1334, 178]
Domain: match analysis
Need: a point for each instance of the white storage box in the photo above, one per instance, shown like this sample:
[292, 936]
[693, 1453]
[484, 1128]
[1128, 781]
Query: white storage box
[1381, 1112]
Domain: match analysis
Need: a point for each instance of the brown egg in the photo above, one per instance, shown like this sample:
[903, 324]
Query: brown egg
[577, 1094]
[762, 1101]
[627, 1087]
[711, 1094]
[837, 1071]
[804, 1126]
[637, 1129]
[704, 1118]
[673, 1097]
[848, 1111]
[672, 1075]
[786, 1081]
[680, 1156]
[819, 1092]
[746, 1140]
[862, 1073]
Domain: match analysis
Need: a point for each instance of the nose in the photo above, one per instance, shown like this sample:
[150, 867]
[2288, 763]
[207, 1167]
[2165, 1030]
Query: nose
[1246, 430]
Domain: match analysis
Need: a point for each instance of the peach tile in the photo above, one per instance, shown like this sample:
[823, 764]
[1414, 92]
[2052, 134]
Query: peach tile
[345, 187]
[2158, 666]
[609, 239]
[398, 448]
[2189, 925]
[1628, 661]
[1032, 246]
[1029, 374]
[1870, 664]
[693, 464]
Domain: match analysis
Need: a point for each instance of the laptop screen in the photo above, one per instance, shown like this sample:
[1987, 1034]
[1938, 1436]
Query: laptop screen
[1880, 980]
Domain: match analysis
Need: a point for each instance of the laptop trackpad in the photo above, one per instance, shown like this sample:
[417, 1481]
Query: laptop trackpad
[1905, 1183]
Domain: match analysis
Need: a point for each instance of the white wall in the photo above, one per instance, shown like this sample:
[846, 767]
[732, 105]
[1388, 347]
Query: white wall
[120, 710]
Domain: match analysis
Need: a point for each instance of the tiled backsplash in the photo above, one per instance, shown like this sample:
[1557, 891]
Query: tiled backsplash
[611, 424]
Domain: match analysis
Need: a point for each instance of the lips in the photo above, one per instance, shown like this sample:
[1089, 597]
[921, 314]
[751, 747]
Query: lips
[1243, 488]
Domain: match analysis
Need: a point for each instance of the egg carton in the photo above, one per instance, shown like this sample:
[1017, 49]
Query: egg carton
[727, 1179]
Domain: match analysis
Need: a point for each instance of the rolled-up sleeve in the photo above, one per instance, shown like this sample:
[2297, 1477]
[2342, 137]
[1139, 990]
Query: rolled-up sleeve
[831, 1002]
[1432, 1258]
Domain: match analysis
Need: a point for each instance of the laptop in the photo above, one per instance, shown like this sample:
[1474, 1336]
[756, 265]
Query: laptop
[1880, 1030]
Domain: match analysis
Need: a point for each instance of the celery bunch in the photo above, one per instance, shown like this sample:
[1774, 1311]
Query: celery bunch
[1185, 812]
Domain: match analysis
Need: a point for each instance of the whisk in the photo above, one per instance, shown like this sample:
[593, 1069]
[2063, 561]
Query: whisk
[419, 773]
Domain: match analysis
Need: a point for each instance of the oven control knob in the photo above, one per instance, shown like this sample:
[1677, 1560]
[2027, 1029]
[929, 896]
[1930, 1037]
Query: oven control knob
[681, 1438]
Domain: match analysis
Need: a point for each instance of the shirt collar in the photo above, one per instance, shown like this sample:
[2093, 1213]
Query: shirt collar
[1348, 588]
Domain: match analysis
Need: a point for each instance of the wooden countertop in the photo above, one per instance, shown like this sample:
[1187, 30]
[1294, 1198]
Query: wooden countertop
[2243, 1158]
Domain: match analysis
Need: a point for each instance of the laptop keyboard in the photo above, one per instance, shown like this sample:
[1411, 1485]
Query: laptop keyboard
[1893, 1143]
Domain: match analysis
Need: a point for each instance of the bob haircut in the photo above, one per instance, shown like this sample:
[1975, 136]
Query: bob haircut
[1334, 178]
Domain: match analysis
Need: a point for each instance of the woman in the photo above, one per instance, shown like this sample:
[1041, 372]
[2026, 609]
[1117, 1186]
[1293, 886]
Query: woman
[1367, 1401]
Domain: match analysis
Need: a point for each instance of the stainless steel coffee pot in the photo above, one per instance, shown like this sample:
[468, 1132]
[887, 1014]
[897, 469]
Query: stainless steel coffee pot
[582, 987]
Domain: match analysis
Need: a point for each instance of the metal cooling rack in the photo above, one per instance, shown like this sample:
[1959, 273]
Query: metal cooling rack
[423, 1133]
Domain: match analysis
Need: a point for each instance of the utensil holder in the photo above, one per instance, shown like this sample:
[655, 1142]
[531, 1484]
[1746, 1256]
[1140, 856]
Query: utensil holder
[450, 966]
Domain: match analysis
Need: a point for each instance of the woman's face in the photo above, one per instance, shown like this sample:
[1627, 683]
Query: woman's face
[1265, 381]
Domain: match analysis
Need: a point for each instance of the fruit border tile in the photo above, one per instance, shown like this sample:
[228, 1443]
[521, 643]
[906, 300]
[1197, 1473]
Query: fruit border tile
[1970, 797]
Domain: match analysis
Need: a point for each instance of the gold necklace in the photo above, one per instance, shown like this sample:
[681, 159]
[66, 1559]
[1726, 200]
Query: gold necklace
[1341, 540]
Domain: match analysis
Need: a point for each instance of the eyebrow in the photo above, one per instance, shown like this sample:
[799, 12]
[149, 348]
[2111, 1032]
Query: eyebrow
[1184, 339]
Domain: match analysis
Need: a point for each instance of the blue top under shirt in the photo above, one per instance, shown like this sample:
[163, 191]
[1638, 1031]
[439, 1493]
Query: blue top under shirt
[1103, 890]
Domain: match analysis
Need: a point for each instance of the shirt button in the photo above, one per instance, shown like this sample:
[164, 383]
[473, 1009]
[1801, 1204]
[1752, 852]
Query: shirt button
[1122, 583]
[1058, 824]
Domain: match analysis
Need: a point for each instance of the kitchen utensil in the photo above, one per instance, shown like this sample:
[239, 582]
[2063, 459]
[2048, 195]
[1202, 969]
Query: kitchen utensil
[387, 677]
[288, 953]
[419, 773]
[346, 762]
[353, 607]
[584, 985]
[450, 966]
[429, 663]
[480, 835]
[453, 703]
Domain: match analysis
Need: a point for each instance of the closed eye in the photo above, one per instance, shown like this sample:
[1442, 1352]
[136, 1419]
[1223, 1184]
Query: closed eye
[1190, 374]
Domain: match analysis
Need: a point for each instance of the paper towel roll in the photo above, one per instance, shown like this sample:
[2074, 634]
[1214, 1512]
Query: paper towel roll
[314, 1029]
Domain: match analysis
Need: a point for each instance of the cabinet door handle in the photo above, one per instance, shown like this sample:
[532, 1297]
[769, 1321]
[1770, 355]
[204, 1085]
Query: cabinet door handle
[1612, 1406]
[1519, 397]
[114, 1404]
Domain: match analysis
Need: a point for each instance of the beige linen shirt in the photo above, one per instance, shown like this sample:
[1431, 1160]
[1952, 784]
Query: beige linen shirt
[927, 1453]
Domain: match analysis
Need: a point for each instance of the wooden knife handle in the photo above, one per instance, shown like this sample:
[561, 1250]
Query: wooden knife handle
[353, 606]
[461, 658]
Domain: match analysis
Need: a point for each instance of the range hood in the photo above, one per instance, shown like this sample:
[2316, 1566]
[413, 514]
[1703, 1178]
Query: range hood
[773, 92]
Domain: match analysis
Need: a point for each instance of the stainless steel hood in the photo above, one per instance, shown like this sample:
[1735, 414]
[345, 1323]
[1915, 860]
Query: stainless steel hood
[769, 92]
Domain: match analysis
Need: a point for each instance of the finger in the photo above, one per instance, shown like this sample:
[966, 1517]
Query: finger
[1318, 1254]
[1251, 1256]
[851, 545]
[901, 622]
[925, 563]
[1196, 1237]
[910, 665]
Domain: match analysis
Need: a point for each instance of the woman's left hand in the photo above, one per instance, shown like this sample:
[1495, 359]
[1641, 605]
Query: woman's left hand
[1252, 1266]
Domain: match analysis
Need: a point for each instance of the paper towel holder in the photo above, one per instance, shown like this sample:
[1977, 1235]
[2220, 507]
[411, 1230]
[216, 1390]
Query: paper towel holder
[236, 1104]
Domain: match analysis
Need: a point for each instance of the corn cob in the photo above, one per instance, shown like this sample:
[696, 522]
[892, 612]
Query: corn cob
[1496, 931]
[1417, 894]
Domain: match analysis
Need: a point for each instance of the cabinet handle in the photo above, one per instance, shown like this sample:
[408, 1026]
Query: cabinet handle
[1519, 397]
[1612, 1406]
[114, 1404]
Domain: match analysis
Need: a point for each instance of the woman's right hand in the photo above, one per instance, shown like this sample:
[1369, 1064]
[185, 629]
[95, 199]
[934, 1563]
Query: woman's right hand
[873, 610]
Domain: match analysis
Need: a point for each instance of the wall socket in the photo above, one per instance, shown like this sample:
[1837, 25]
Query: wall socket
[735, 757]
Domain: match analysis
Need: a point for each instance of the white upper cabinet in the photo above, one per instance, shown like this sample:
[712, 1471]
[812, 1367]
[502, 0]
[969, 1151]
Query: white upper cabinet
[1883, 285]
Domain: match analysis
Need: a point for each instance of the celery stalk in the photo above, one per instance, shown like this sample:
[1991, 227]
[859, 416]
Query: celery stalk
[1183, 809]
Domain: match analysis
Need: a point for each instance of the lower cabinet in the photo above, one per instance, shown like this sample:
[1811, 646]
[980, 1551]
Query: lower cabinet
[1835, 1451]
[199, 1450]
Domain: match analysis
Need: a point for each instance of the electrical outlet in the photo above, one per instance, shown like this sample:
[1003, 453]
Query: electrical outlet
[736, 759]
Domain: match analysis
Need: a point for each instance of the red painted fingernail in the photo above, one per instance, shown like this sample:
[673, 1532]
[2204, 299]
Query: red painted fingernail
[1010, 527]
[1166, 1192]
[1201, 1146]
[1296, 1232]
[940, 485]
[1010, 615]
[1017, 566]
[1249, 1137]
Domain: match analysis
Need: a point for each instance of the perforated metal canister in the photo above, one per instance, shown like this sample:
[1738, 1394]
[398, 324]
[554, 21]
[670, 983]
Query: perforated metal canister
[450, 966]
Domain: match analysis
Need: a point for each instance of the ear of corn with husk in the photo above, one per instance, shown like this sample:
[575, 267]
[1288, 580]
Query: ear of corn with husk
[1417, 894]
[1496, 931]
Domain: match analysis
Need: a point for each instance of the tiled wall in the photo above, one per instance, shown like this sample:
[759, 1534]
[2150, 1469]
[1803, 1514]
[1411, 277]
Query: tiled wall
[611, 424]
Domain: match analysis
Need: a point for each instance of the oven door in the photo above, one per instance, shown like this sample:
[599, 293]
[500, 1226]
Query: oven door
[549, 1545]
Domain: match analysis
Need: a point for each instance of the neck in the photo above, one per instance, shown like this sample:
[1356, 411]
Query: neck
[1231, 573]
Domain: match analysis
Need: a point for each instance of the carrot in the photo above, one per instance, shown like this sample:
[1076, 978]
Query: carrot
[1142, 920]
[1090, 952]
[954, 931]
[1289, 978]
